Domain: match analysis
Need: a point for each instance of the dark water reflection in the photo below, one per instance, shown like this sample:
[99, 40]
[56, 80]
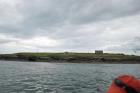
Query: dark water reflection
[21, 77]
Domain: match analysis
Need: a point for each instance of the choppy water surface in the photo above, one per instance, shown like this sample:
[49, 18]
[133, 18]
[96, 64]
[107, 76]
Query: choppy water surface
[21, 77]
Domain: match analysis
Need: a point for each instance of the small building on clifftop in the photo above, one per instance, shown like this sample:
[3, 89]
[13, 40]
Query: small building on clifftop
[98, 51]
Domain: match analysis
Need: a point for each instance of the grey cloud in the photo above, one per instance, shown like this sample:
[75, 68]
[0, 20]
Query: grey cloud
[5, 41]
[80, 11]
[135, 45]
[75, 24]
[57, 13]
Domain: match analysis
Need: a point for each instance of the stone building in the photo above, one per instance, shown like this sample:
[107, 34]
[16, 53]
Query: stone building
[98, 51]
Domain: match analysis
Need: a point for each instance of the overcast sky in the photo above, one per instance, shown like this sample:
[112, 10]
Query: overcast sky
[70, 25]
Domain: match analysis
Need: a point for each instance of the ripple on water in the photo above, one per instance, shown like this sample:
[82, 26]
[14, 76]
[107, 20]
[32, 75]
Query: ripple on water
[47, 90]
[30, 90]
[68, 88]
[59, 78]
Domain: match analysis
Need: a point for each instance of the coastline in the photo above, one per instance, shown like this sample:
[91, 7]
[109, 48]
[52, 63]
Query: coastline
[93, 58]
[91, 62]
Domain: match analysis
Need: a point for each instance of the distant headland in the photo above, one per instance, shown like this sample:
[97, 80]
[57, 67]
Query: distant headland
[72, 57]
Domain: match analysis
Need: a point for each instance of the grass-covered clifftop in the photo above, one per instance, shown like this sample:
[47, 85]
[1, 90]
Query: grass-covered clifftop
[72, 57]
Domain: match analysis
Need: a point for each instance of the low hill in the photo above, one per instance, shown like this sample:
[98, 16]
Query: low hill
[72, 57]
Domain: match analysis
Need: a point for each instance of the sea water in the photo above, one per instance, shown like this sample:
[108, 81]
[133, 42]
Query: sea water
[42, 77]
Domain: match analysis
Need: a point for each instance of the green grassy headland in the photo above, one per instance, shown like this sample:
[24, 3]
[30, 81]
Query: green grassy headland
[71, 57]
